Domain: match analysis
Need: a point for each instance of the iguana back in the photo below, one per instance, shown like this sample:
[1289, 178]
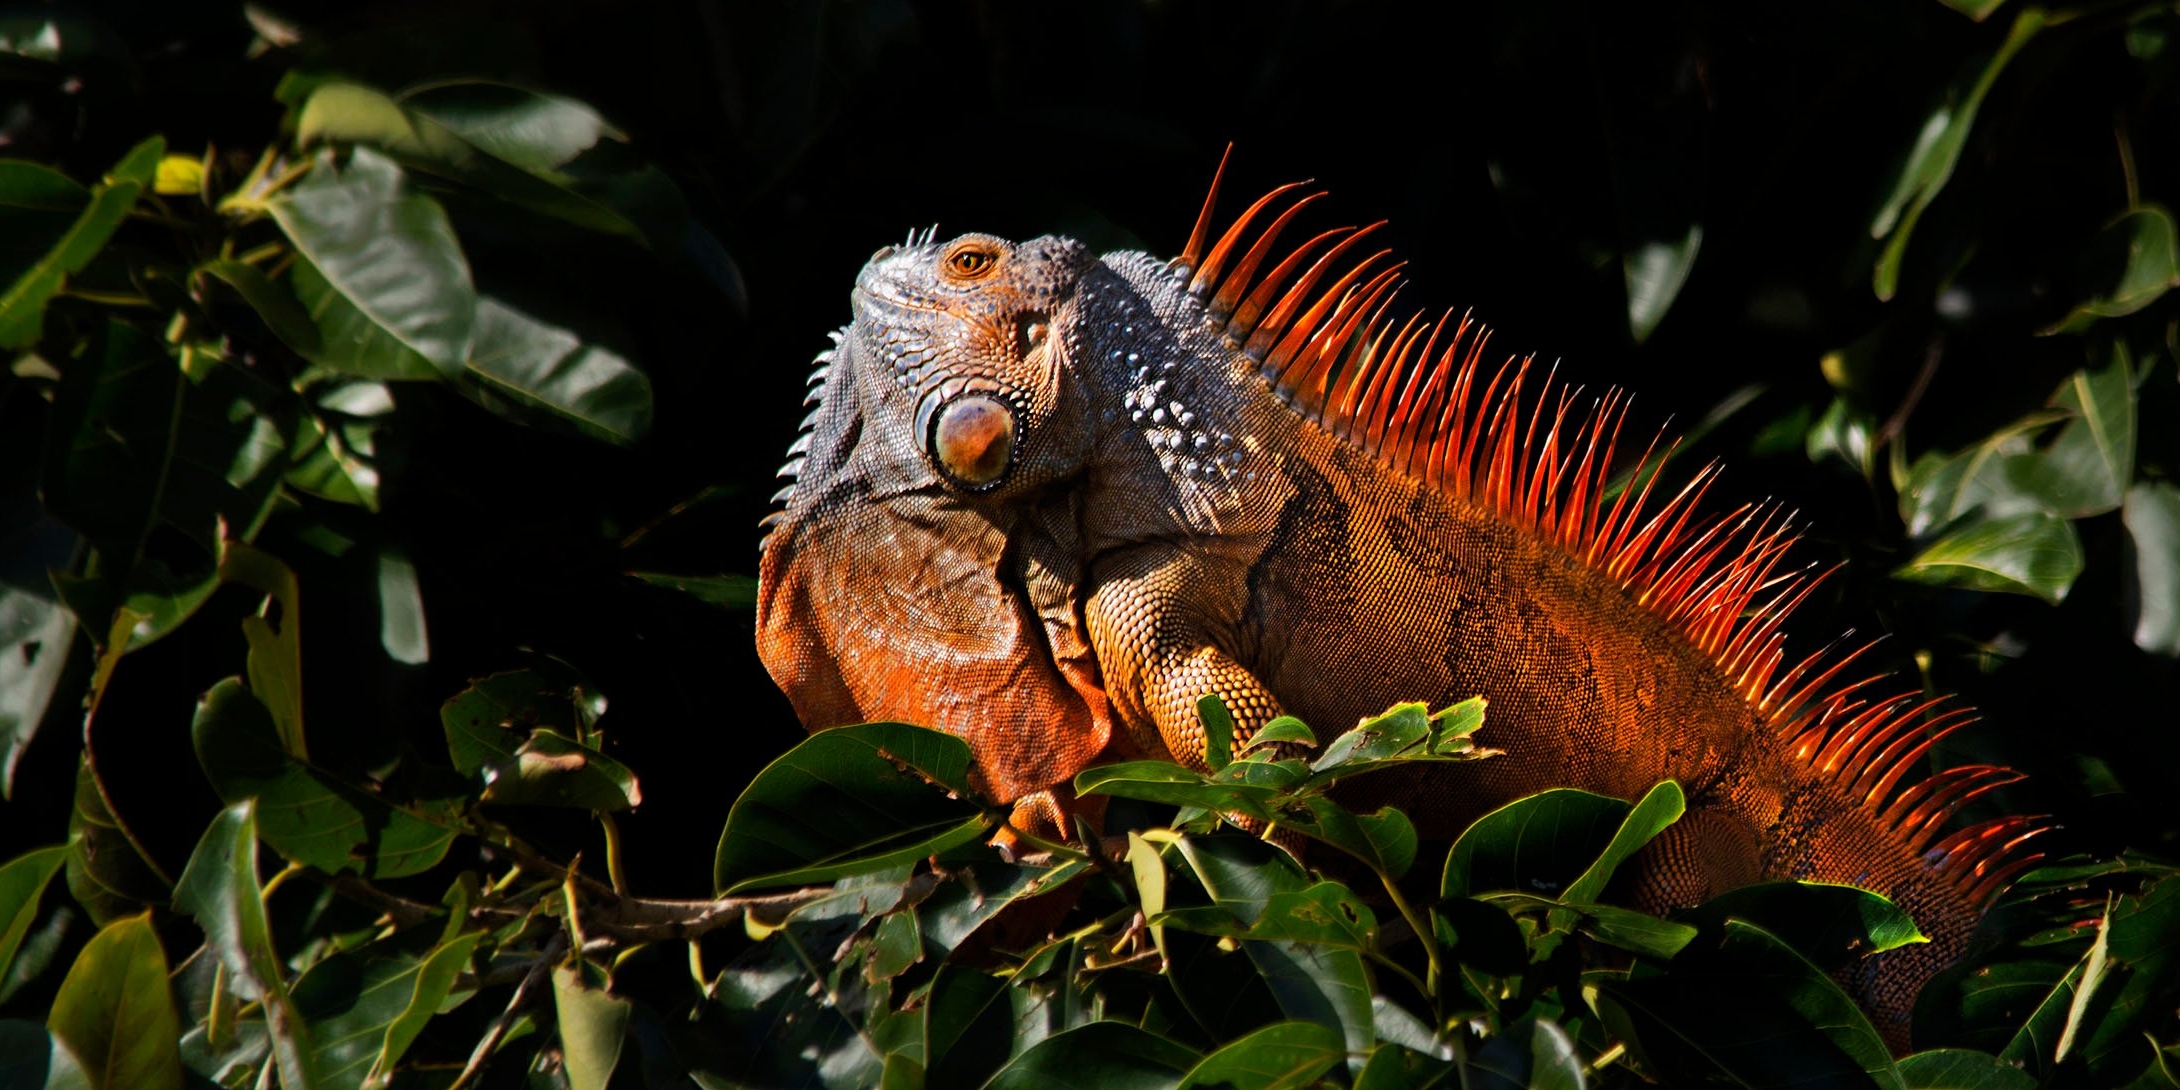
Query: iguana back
[1048, 501]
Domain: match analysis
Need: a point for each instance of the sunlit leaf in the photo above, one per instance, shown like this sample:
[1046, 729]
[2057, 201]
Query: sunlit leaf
[36, 634]
[521, 362]
[1282, 1056]
[379, 270]
[1532, 1054]
[1962, 1069]
[1660, 807]
[22, 884]
[2142, 252]
[2152, 518]
[32, 1059]
[220, 890]
[108, 874]
[1112, 1055]
[115, 1013]
[550, 769]
[535, 131]
[846, 801]
[22, 304]
[593, 1025]
[1654, 272]
[2091, 462]
[304, 814]
[2034, 554]
[1825, 923]
[1539, 844]
[1936, 152]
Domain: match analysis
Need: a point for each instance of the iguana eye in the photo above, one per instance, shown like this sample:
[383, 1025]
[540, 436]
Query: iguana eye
[971, 262]
[973, 438]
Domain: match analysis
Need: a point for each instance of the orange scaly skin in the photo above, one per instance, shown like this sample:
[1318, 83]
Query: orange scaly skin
[1047, 501]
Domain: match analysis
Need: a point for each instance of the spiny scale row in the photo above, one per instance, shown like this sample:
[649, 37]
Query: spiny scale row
[1406, 391]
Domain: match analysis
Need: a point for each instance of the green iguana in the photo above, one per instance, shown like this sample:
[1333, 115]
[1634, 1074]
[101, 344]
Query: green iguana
[1048, 500]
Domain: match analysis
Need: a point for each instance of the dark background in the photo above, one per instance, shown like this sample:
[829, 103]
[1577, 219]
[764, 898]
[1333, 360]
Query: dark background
[1517, 157]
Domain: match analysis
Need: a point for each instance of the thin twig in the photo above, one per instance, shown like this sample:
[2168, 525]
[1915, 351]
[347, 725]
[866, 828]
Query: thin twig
[506, 1020]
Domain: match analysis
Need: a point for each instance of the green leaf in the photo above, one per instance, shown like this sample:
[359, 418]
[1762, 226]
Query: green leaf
[108, 874]
[1636, 932]
[1753, 1012]
[1241, 874]
[1480, 935]
[519, 362]
[1537, 845]
[2141, 250]
[732, 591]
[220, 890]
[1655, 271]
[1403, 727]
[379, 270]
[32, 1059]
[1169, 783]
[1146, 864]
[365, 1007]
[22, 884]
[850, 800]
[304, 814]
[1385, 840]
[550, 769]
[274, 303]
[1936, 152]
[1282, 1056]
[1218, 726]
[2089, 465]
[275, 662]
[115, 1013]
[2152, 518]
[486, 723]
[348, 113]
[134, 446]
[1532, 1054]
[1828, 924]
[1327, 913]
[401, 630]
[22, 305]
[1661, 806]
[593, 1025]
[1962, 1069]
[1285, 728]
[2034, 554]
[1978, 10]
[36, 636]
[1990, 477]
[1106, 1055]
[1399, 1067]
[535, 131]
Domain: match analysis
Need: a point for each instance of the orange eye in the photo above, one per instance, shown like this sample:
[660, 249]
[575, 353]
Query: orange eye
[971, 262]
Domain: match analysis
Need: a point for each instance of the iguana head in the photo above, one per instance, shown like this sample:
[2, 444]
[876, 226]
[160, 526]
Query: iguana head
[893, 584]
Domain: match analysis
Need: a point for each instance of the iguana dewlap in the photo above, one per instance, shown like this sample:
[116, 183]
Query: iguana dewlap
[1048, 500]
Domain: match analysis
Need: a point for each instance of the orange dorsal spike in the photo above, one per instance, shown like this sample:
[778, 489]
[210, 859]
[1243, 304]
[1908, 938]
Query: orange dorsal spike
[1414, 393]
[1193, 253]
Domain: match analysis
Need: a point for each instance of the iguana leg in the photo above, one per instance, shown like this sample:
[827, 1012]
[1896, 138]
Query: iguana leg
[1159, 660]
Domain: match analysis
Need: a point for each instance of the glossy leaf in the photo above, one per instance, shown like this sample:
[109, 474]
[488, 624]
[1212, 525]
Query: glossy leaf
[1169, 783]
[1826, 923]
[2034, 554]
[2091, 462]
[114, 1011]
[1660, 807]
[380, 271]
[1757, 1015]
[536, 367]
[1962, 1069]
[35, 633]
[550, 769]
[1654, 271]
[1108, 1055]
[22, 303]
[593, 1026]
[22, 885]
[348, 113]
[1539, 845]
[1283, 1056]
[1385, 840]
[401, 628]
[2152, 518]
[1218, 724]
[220, 890]
[850, 800]
[1532, 1054]
[1991, 477]
[2143, 250]
[535, 131]
[1936, 152]
[304, 814]
[108, 874]
[486, 723]
[1626, 928]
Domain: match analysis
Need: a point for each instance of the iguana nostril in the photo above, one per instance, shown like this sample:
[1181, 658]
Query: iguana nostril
[974, 439]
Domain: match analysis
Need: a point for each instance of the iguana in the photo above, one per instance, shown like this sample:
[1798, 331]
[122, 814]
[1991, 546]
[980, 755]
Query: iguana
[1047, 500]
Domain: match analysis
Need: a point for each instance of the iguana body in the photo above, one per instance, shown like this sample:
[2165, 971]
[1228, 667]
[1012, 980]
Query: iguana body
[1048, 501]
